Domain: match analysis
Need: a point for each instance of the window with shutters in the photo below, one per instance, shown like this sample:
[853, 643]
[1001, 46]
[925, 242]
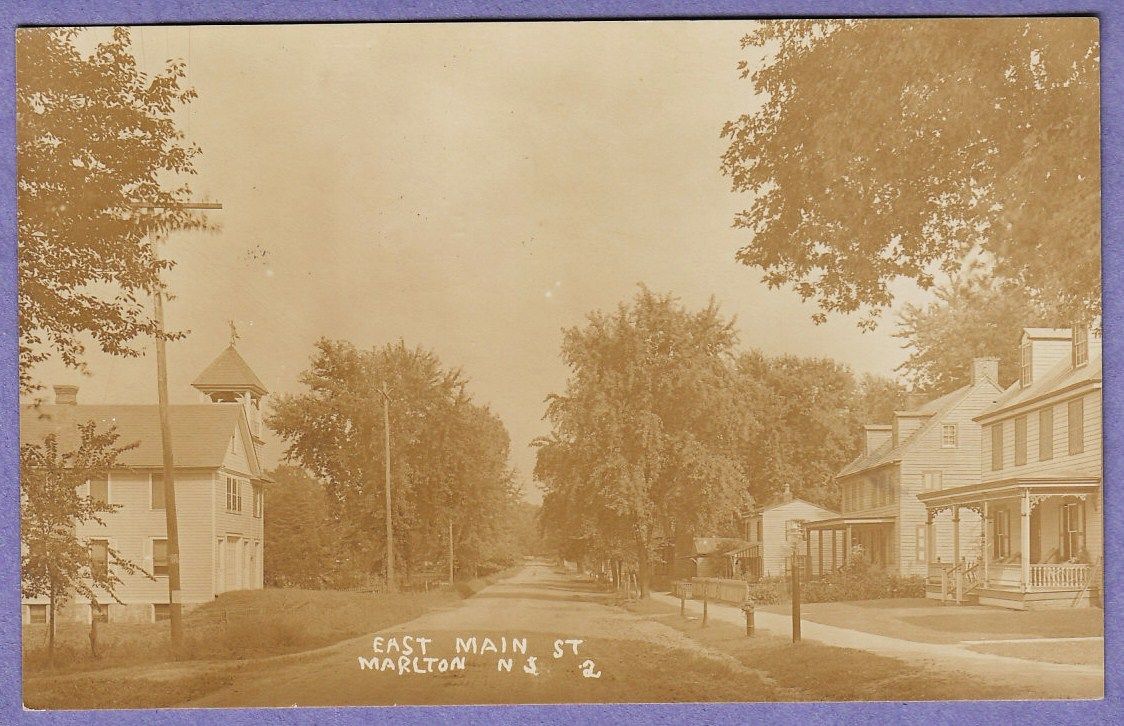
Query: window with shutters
[161, 611]
[920, 532]
[1073, 530]
[37, 613]
[1046, 434]
[1020, 441]
[1025, 367]
[997, 446]
[99, 557]
[159, 557]
[233, 494]
[99, 488]
[156, 495]
[1076, 426]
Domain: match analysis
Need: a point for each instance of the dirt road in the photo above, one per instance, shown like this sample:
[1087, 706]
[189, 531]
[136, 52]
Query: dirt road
[621, 657]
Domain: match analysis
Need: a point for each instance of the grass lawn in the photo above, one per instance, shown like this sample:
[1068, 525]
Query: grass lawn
[812, 671]
[925, 621]
[236, 625]
[1074, 652]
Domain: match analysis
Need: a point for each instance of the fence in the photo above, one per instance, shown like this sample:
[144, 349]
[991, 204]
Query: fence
[712, 588]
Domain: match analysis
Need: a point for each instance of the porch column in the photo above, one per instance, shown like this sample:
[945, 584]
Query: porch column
[956, 548]
[808, 556]
[930, 541]
[1024, 536]
[834, 547]
[819, 541]
[846, 544]
[986, 542]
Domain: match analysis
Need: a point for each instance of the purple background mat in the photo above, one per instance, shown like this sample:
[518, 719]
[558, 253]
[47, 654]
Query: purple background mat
[125, 12]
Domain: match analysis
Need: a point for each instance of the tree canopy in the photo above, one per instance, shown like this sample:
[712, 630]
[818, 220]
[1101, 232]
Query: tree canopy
[449, 455]
[886, 150]
[94, 135]
[644, 438]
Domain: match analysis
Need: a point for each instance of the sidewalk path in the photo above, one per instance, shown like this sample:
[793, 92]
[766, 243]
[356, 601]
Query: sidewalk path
[1084, 679]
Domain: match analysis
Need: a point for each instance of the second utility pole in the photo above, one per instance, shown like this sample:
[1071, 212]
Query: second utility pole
[391, 586]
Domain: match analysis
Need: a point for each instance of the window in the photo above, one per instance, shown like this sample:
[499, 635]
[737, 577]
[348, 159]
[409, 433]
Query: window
[156, 496]
[1080, 345]
[1076, 424]
[233, 495]
[949, 436]
[1046, 434]
[931, 481]
[1024, 364]
[37, 614]
[99, 557]
[921, 533]
[997, 446]
[159, 557]
[1020, 441]
[259, 501]
[99, 612]
[1073, 529]
[161, 611]
[1001, 546]
[99, 489]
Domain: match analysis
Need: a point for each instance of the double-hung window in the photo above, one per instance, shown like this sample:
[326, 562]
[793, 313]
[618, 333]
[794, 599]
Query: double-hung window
[233, 494]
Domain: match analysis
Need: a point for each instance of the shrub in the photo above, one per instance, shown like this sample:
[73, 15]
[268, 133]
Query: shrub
[769, 590]
[857, 580]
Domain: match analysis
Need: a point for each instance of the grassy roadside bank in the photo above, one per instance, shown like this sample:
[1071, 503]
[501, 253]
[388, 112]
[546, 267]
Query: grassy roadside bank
[822, 672]
[219, 637]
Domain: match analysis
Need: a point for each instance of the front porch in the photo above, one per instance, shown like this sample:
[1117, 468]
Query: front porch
[837, 538]
[1040, 544]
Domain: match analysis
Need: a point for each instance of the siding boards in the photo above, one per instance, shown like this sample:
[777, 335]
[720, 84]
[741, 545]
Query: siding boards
[1087, 463]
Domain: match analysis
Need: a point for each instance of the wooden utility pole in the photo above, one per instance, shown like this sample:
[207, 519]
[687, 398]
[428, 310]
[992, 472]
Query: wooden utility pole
[450, 551]
[175, 606]
[391, 585]
[795, 597]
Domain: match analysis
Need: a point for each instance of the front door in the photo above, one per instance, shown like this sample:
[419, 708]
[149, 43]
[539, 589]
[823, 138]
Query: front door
[233, 569]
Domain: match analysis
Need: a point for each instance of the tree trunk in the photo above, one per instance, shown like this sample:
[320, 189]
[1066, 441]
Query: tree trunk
[94, 629]
[644, 572]
[51, 608]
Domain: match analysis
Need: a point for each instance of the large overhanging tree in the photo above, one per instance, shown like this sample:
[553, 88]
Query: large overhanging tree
[94, 135]
[899, 149]
[644, 438]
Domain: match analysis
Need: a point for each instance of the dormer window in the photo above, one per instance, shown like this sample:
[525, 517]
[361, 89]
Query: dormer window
[1025, 361]
[1080, 345]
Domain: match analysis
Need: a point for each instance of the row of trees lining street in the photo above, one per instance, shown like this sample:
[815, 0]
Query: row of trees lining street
[665, 427]
[449, 465]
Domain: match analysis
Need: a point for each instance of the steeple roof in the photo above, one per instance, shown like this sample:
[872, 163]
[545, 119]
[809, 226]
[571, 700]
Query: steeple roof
[229, 372]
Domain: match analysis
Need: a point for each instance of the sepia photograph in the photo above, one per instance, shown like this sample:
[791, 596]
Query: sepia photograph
[559, 362]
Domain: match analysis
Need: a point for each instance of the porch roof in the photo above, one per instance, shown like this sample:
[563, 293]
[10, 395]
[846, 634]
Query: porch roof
[1011, 487]
[843, 522]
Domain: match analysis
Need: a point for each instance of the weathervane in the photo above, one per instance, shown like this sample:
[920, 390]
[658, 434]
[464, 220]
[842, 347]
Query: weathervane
[233, 333]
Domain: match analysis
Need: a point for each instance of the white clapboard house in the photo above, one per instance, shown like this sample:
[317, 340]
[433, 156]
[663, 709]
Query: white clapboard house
[219, 495]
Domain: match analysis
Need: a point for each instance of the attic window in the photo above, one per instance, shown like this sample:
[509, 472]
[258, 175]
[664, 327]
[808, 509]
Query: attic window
[949, 436]
[1024, 364]
[1080, 345]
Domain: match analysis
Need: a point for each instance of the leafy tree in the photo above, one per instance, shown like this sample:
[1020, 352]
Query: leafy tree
[810, 414]
[899, 149]
[643, 438]
[448, 454]
[302, 540]
[94, 135]
[972, 317]
[55, 560]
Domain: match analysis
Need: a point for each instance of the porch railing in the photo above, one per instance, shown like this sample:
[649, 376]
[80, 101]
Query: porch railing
[1062, 576]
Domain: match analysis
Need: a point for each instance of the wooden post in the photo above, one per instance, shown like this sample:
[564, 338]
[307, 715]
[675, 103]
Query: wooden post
[986, 542]
[391, 584]
[706, 599]
[808, 554]
[1024, 536]
[819, 541]
[795, 599]
[956, 550]
[450, 551]
[846, 544]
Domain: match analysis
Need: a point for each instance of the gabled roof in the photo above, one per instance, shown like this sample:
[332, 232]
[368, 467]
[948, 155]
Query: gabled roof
[782, 502]
[887, 452]
[229, 371]
[200, 433]
[1061, 377]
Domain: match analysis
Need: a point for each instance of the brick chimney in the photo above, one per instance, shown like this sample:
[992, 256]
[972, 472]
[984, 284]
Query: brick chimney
[66, 395]
[985, 369]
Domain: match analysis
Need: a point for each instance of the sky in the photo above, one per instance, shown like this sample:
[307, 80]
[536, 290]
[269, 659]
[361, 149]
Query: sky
[470, 188]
